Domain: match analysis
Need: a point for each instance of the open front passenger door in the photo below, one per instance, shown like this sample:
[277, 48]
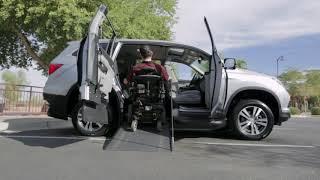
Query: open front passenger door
[214, 77]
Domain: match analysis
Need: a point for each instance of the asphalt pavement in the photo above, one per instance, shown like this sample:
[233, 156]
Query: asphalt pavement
[40, 148]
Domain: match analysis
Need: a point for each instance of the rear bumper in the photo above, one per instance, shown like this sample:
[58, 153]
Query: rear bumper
[57, 106]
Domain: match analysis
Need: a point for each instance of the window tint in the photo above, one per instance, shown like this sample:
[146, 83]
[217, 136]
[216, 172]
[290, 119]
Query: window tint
[202, 65]
[179, 71]
[75, 53]
[103, 45]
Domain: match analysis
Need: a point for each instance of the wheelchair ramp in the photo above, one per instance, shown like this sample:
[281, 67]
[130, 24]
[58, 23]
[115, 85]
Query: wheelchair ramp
[145, 139]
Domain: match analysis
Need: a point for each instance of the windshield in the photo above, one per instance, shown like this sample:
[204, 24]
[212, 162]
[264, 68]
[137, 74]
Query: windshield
[202, 66]
[193, 58]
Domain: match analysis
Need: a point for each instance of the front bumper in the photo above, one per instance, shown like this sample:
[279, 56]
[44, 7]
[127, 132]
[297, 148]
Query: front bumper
[284, 115]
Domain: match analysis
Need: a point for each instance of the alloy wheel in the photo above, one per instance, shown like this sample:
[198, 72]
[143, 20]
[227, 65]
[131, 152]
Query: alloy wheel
[252, 120]
[86, 125]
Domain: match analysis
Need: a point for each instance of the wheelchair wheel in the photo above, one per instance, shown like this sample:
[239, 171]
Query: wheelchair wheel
[132, 124]
[161, 121]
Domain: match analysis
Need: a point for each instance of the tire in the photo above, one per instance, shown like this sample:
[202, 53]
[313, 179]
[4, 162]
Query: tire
[251, 119]
[96, 128]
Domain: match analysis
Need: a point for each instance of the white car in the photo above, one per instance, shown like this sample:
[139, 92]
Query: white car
[85, 84]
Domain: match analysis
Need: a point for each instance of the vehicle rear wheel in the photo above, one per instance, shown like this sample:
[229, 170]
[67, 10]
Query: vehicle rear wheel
[252, 120]
[88, 128]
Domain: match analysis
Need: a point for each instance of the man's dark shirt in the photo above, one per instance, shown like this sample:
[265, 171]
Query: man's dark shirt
[149, 65]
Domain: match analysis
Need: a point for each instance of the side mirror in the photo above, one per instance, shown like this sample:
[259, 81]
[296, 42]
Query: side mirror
[230, 63]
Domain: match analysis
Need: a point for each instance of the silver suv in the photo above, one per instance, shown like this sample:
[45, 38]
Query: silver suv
[85, 83]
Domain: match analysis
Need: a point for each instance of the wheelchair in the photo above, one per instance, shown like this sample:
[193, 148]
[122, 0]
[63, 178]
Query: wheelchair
[146, 100]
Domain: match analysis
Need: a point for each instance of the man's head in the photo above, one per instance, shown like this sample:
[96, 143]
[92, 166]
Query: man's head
[146, 52]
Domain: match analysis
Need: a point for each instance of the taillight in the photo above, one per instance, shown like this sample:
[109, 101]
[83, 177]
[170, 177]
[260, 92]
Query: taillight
[54, 67]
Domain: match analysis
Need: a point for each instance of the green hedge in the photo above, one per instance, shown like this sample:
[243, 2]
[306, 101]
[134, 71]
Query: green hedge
[315, 111]
[294, 110]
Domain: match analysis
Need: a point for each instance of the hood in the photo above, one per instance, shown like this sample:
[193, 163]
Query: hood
[253, 79]
[244, 72]
[240, 79]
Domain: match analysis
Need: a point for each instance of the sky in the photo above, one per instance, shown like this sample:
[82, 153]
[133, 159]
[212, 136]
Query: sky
[257, 31]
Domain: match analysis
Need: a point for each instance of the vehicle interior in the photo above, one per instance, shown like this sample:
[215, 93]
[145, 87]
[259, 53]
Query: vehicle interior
[187, 69]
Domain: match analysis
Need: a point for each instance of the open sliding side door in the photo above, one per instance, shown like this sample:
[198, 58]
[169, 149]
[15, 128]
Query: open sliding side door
[215, 75]
[96, 72]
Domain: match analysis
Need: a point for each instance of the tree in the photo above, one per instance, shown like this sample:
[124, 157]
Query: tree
[303, 87]
[39, 29]
[11, 92]
[313, 81]
[294, 81]
[241, 64]
[18, 78]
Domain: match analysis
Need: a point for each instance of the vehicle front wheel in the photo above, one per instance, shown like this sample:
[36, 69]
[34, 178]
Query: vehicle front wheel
[87, 128]
[252, 120]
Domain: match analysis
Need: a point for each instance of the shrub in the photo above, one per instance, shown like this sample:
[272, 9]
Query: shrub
[294, 110]
[315, 111]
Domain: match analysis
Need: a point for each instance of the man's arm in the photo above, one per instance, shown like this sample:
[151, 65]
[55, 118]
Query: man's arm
[164, 73]
[129, 77]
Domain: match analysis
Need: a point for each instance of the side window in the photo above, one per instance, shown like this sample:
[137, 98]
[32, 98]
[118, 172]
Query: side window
[103, 45]
[202, 65]
[75, 53]
[179, 71]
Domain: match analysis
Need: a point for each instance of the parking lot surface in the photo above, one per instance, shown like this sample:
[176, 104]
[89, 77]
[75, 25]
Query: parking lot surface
[46, 148]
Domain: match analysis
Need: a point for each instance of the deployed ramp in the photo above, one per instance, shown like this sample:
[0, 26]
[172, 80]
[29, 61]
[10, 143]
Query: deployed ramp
[145, 139]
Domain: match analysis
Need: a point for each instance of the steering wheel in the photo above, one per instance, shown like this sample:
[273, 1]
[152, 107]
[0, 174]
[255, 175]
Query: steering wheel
[195, 80]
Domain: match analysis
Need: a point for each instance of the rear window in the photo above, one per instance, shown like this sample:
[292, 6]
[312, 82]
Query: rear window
[75, 53]
[103, 45]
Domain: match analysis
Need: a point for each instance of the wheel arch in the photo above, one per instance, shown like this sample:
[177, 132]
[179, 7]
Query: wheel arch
[73, 99]
[262, 94]
[115, 101]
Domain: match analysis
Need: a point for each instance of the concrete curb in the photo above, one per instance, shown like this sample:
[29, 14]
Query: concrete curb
[3, 118]
[305, 116]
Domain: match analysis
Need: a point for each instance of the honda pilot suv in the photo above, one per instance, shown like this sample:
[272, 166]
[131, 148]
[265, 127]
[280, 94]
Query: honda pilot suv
[86, 84]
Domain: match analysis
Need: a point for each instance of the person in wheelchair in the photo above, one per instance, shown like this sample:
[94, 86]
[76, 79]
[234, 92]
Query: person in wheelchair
[148, 90]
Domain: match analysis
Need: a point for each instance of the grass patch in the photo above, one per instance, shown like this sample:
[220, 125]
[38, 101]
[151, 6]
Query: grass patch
[295, 111]
[315, 111]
